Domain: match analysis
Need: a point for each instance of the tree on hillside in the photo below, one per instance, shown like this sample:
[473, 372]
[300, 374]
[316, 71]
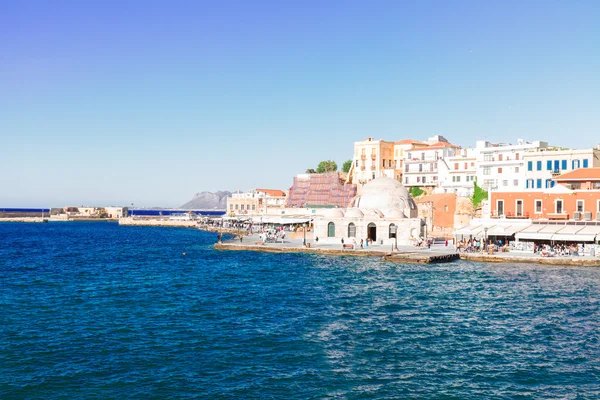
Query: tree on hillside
[310, 171]
[346, 166]
[478, 195]
[415, 191]
[326, 166]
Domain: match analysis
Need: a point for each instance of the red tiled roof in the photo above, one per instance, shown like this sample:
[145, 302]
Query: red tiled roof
[440, 145]
[580, 174]
[410, 141]
[272, 192]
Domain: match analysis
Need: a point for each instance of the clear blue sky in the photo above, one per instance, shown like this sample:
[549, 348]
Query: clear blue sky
[148, 102]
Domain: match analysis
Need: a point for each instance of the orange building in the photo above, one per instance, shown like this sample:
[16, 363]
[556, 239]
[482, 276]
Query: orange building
[438, 212]
[575, 197]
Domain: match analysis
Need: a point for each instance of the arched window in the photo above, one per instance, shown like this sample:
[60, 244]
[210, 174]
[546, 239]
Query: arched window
[331, 229]
[392, 231]
[351, 230]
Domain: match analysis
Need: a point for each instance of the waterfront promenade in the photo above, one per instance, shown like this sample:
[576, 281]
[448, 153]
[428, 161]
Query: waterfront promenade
[408, 254]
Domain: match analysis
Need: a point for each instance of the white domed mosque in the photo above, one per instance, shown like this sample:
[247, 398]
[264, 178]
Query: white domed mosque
[382, 211]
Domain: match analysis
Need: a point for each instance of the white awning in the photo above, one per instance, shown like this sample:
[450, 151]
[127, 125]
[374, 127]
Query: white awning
[573, 237]
[505, 229]
[539, 232]
[271, 219]
[468, 230]
[569, 233]
[587, 233]
[532, 228]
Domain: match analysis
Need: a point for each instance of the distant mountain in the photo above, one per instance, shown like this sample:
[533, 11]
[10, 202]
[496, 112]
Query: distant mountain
[208, 201]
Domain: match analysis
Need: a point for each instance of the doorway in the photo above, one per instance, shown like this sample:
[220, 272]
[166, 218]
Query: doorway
[519, 208]
[372, 231]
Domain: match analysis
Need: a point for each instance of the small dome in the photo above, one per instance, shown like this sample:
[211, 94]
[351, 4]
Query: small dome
[384, 194]
[354, 213]
[334, 213]
[374, 213]
[395, 214]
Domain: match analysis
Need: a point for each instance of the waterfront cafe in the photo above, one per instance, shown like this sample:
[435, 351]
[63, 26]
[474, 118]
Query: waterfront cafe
[281, 219]
[489, 230]
[569, 231]
[539, 232]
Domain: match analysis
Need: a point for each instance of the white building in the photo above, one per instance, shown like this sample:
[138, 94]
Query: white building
[401, 148]
[421, 165]
[457, 173]
[544, 164]
[255, 201]
[501, 166]
[382, 211]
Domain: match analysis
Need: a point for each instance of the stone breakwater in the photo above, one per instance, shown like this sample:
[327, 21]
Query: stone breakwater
[399, 257]
[411, 257]
[177, 224]
[311, 250]
[575, 261]
[24, 219]
[158, 222]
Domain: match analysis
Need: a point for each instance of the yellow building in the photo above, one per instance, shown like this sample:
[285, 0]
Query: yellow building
[372, 159]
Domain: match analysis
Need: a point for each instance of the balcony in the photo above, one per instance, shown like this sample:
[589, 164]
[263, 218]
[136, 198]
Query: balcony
[555, 172]
[373, 168]
[509, 215]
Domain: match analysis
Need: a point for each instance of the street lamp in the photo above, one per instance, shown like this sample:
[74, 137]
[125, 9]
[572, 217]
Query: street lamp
[485, 230]
[304, 229]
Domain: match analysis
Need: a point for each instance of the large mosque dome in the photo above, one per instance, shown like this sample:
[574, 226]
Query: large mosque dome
[386, 195]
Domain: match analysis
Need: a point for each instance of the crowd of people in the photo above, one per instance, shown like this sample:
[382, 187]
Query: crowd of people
[558, 249]
[474, 245]
[272, 235]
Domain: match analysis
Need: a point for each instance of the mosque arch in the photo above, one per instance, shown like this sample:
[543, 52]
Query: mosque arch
[372, 231]
[392, 231]
[331, 229]
[351, 230]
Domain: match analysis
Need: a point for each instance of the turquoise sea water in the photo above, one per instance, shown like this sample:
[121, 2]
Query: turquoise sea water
[94, 310]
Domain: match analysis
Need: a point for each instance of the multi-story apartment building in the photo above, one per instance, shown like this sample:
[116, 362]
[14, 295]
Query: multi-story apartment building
[576, 196]
[542, 165]
[401, 149]
[420, 166]
[501, 166]
[255, 201]
[457, 173]
[372, 159]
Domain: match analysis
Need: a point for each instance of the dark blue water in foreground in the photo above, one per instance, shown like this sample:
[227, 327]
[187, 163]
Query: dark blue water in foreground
[94, 310]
